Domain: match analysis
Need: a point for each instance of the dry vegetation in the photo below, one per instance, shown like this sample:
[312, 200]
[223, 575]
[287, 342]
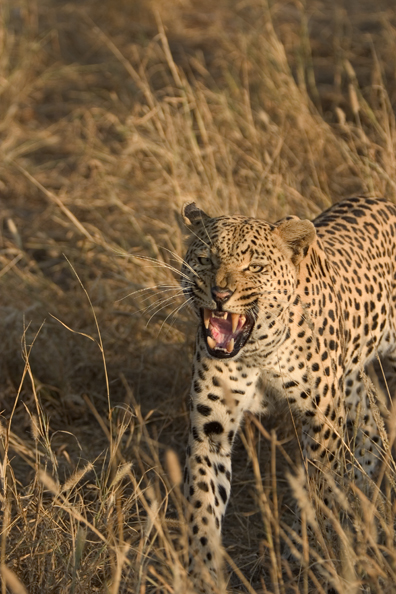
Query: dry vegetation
[112, 114]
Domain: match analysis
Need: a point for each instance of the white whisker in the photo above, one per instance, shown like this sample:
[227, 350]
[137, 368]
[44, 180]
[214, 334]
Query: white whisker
[147, 298]
[200, 238]
[161, 301]
[164, 304]
[174, 312]
[162, 288]
[159, 264]
[153, 304]
[181, 260]
[158, 302]
[172, 323]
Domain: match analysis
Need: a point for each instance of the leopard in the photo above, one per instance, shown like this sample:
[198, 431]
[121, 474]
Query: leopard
[288, 313]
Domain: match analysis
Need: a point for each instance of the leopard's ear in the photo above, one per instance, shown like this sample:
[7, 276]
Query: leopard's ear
[193, 216]
[296, 235]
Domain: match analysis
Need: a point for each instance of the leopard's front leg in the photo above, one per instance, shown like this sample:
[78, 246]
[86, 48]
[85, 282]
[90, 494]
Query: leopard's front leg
[323, 433]
[221, 391]
[322, 414]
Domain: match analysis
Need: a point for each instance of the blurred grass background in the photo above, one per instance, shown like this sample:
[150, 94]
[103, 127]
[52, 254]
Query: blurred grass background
[112, 114]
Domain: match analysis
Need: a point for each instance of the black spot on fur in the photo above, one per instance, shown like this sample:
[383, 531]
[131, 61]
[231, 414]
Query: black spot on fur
[213, 427]
[204, 410]
[197, 387]
[223, 493]
[203, 486]
[213, 397]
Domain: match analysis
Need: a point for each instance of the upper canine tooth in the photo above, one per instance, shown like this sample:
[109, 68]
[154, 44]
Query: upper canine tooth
[230, 345]
[212, 343]
[207, 316]
[235, 320]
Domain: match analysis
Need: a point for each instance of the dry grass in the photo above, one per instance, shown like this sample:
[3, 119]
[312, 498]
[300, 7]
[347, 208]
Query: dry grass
[112, 114]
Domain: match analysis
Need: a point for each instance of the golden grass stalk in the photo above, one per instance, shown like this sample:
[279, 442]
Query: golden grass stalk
[12, 581]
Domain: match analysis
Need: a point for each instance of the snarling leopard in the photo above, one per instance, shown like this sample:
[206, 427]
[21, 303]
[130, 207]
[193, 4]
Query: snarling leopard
[289, 312]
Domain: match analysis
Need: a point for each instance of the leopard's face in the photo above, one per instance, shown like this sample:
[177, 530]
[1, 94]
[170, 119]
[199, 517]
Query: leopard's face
[239, 281]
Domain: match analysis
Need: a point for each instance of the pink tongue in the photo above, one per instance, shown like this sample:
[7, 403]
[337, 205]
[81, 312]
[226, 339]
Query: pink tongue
[221, 325]
[221, 331]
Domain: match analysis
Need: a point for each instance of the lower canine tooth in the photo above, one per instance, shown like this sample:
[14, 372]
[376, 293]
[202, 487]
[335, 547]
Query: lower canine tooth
[207, 316]
[235, 320]
[230, 346]
[211, 342]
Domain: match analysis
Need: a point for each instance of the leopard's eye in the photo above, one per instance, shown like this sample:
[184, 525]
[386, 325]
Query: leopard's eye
[205, 261]
[255, 268]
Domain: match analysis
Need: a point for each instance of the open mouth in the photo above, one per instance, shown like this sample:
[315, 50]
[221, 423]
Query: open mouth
[226, 333]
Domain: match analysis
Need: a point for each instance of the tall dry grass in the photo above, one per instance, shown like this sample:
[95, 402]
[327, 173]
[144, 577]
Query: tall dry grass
[111, 116]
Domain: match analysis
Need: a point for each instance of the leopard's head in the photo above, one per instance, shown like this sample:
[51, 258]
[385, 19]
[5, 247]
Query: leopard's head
[239, 275]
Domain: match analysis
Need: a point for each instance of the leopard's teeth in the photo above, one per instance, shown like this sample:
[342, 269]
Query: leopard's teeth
[243, 320]
[230, 345]
[207, 316]
[235, 320]
[225, 315]
[212, 343]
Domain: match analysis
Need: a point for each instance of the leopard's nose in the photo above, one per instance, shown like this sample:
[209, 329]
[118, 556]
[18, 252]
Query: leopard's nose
[221, 295]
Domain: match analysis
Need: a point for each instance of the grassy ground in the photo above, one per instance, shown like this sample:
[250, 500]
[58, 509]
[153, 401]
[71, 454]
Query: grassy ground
[112, 114]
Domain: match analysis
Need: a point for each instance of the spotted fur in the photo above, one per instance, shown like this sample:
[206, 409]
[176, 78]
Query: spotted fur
[314, 305]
